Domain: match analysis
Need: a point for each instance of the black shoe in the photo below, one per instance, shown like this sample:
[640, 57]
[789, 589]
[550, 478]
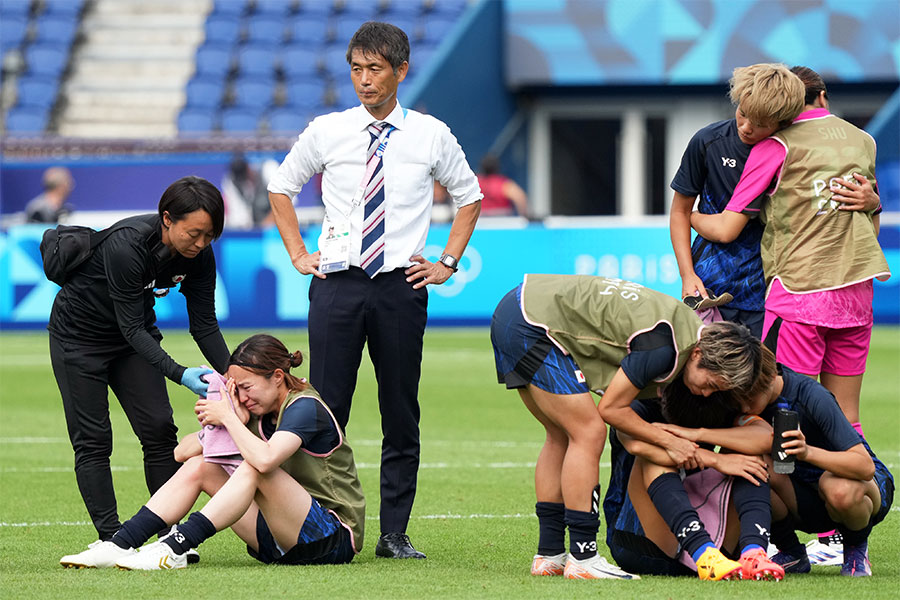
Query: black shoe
[396, 545]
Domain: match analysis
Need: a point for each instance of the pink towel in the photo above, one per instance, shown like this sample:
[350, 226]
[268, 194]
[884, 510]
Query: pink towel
[218, 447]
[709, 492]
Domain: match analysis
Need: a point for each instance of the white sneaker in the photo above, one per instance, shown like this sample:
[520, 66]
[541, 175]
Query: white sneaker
[98, 555]
[544, 564]
[153, 557]
[595, 567]
[824, 555]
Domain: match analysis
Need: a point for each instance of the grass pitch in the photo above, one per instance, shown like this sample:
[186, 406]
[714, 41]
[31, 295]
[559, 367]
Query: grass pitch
[474, 508]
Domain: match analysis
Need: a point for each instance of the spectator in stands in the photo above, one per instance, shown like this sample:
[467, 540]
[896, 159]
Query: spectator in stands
[245, 195]
[502, 196]
[50, 206]
[370, 279]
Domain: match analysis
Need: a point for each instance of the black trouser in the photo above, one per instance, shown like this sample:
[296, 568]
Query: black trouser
[83, 374]
[346, 310]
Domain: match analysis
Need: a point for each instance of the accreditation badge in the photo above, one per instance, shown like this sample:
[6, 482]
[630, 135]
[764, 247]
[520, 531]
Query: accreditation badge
[334, 246]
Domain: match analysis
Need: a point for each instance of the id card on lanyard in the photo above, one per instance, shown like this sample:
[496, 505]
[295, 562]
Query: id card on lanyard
[334, 245]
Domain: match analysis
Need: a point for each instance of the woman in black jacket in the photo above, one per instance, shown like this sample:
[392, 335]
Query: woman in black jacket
[103, 334]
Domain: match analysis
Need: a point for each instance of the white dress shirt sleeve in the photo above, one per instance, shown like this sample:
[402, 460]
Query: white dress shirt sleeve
[301, 163]
[452, 171]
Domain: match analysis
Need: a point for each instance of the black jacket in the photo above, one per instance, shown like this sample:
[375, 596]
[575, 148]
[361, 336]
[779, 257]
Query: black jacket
[109, 300]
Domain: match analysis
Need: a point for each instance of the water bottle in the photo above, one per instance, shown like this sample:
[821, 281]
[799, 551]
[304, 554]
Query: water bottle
[785, 420]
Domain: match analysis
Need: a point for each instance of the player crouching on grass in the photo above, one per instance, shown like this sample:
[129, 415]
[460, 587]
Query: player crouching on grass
[556, 338]
[837, 483]
[295, 498]
[664, 521]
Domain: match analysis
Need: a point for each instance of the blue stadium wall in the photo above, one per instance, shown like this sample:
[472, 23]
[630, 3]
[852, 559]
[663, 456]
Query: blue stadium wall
[258, 287]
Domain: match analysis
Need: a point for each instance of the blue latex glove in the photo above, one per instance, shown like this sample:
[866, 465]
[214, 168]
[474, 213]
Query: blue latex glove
[193, 380]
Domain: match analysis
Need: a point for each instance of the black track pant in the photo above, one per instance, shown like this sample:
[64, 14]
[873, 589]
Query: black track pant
[83, 374]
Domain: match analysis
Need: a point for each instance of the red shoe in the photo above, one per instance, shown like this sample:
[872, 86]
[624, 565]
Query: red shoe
[755, 564]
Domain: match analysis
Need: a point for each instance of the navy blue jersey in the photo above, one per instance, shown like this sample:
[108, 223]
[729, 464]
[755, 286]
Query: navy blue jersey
[309, 420]
[616, 500]
[821, 421]
[711, 168]
[652, 356]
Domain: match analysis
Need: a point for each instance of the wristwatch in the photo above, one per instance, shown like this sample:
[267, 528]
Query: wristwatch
[450, 262]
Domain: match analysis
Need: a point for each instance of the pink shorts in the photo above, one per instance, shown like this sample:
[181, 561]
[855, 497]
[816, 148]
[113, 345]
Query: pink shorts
[813, 349]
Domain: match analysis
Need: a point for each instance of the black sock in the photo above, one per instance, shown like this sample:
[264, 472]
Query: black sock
[854, 538]
[583, 528]
[755, 512]
[552, 524]
[671, 501]
[191, 533]
[138, 529]
[784, 535]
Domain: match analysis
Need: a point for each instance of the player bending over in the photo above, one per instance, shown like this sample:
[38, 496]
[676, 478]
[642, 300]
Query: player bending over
[556, 339]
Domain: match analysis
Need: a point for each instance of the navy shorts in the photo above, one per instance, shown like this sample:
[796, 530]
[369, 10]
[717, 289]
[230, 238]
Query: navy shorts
[637, 554]
[323, 540]
[524, 354]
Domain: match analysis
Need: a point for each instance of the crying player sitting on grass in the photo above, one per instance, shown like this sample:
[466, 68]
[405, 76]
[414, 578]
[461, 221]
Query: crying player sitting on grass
[662, 520]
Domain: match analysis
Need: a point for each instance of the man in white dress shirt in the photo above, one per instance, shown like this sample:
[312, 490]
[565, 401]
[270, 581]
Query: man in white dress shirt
[378, 163]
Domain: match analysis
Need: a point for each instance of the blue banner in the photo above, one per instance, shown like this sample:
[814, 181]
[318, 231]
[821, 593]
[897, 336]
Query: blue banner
[258, 287]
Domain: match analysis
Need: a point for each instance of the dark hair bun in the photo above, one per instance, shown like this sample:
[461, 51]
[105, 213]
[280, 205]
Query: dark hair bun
[296, 359]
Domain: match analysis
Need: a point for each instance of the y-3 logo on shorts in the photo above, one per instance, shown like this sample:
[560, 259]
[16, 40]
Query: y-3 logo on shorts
[729, 162]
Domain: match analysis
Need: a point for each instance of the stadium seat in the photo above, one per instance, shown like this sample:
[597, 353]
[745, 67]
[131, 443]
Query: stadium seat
[273, 8]
[316, 9]
[257, 60]
[234, 8]
[204, 93]
[305, 95]
[345, 95]
[308, 30]
[435, 30]
[223, 29]
[402, 9]
[18, 9]
[287, 120]
[60, 30]
[26, 120]
[12, 30]
[62, 8]
[334, 61]
[364, 10]
[240, 120]
[346, 26]
[265, 31]
[36, 91]
[46, 59]
[407, 23]
[450, 9]
[253, 93]
[299, 61]
[213, 59]
[192, 120]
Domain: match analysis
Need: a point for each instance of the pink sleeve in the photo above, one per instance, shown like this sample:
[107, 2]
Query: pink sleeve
[762, 167]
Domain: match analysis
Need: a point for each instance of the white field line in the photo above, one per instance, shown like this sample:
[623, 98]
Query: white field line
[359, 442]
[438, 517]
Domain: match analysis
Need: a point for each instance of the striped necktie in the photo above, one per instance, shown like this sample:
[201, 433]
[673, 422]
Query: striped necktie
[371, 254]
